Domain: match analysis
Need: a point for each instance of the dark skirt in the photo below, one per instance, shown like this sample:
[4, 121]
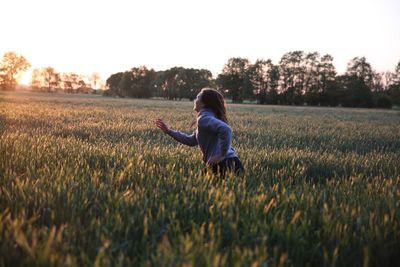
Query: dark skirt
[228, 165]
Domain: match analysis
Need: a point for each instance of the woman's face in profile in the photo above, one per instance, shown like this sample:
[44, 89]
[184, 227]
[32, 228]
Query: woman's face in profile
[198, 105]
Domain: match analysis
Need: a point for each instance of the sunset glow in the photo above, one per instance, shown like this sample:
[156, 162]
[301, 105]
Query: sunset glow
[112, 36]
[26, 77]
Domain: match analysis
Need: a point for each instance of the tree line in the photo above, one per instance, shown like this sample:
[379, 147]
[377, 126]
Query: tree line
[49, 80]
[174, 83]
[45, 79]
[298, 79]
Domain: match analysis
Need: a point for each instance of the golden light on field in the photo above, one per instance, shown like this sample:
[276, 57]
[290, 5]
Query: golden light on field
[318, 181]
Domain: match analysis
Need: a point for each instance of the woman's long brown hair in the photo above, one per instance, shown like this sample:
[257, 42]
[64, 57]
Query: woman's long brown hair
[214, 100]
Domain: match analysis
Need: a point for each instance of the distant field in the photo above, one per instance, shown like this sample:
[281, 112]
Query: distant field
[89, 181]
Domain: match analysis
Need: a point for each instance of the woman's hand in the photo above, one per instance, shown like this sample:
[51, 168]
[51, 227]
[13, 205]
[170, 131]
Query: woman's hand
[214, 160]
[161, 124]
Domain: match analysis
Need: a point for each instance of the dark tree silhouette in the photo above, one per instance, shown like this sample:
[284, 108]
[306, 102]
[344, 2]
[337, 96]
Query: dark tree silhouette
[235, 79]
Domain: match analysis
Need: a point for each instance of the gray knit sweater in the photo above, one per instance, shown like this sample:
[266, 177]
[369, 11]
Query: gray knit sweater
[212, 135]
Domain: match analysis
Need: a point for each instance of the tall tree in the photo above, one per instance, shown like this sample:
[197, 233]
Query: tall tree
[141, 80]
[359, 67]
[273, 84]
[395, 77]
[326, 90]
[235, 79]
[258, 73]
[358, 83]
[264, 76]
[292, 77]
[327, 72]
[311, 68]
[11, 68]
[311, 85]
[394, 86]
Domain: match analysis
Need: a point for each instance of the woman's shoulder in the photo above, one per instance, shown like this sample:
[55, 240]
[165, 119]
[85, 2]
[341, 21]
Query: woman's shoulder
[204, 113]
[208, 119]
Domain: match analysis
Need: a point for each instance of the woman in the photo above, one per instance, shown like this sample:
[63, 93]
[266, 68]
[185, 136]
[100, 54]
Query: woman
[213, 134]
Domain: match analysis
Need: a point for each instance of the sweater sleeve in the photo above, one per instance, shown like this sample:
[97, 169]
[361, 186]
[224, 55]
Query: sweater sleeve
[219, 127]
[189, 140]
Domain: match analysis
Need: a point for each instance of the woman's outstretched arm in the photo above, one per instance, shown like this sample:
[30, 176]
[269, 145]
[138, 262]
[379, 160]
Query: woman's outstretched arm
[189, 140]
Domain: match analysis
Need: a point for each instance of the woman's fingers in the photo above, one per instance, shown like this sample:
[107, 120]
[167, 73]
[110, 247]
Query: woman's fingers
[160, 124]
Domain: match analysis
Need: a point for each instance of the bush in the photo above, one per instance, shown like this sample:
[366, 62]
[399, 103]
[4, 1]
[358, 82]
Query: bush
[109, 93]
[383, 101]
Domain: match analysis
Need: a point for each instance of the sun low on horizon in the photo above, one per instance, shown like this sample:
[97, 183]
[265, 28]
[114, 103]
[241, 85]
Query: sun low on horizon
[107, 37]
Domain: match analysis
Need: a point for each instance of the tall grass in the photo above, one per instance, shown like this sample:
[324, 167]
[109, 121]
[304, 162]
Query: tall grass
[89, 181]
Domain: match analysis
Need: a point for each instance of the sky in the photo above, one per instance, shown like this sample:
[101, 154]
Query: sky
[110, 36]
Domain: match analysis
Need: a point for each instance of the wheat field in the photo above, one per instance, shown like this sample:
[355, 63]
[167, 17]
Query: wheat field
[90, 181]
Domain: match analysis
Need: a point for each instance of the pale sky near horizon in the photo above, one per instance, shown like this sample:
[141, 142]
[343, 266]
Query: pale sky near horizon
[109, 36]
